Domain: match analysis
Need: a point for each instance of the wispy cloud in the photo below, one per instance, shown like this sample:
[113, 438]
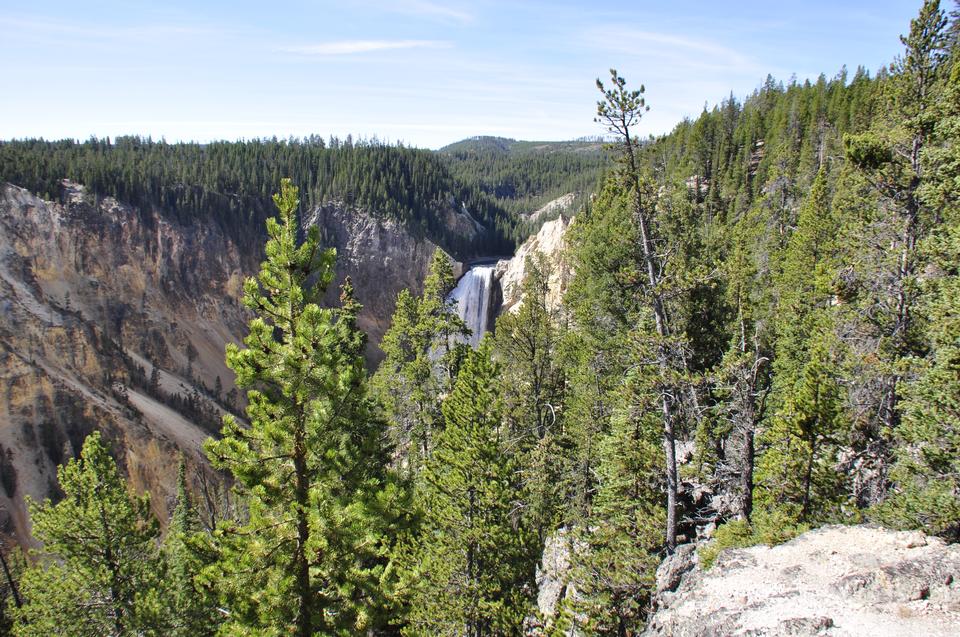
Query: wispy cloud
[438, 11]
[433, 10]
[681, 50]
[352, 47]
[43, 26]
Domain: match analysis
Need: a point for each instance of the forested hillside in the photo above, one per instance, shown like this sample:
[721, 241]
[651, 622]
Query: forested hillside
[497, 181]
[525, 176]
[231, 182]
[760, 335]
[761, 321]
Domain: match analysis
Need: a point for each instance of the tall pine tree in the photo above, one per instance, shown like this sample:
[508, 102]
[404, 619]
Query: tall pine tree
[192, 611]
[311, 466]
[423, 349]
[470, 570]
[99, 572]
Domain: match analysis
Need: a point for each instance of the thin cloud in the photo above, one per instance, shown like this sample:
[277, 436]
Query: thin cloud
[86, 31]
[427, 9]
[688, 52]
[353, 47]
[434, 10]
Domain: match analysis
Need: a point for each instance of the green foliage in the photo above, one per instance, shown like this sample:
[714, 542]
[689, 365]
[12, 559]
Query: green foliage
[99, 572]
[526, 343]
[14, 563]
[882, 279]
[926, 476]
[733, 534]
[524, 176]
[800, 448]
[625, 532]
[927, 492]
[311, 556]
[470, 570]
[776, 281]
[797, 470]
[941, 157]
[601, 300]
[867, 150]
[423, 350]
[767, 527]
[191, 608]
[231, 182]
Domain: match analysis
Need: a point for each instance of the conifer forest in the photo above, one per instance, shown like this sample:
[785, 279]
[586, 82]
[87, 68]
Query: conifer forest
[752, 330]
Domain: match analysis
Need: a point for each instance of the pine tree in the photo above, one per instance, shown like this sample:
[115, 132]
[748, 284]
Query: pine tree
[799, 457]
[99, 570]
[926, 477]
[623, 537]
[470, 570]
[14, 563]
[805, 282]
[797, 471]
[423, 349]
[620, 111]
[890, 158]
[154, 385]
[440, 321]
[310, 467]
[526, 344]
[926, 488]
[603, 299]
[192, 612]
[743, 375]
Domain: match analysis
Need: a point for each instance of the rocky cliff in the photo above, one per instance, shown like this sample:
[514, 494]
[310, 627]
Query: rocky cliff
[115, 318]
[550, 242]
[836, 580]
[95, 296]
[381, 257]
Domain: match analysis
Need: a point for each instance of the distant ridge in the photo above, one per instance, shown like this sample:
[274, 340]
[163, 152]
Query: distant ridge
[507, 146]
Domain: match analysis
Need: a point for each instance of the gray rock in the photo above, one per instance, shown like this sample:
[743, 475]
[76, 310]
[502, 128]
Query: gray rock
[858, 580]
[381, 257]
[671, 570]
[555, 577]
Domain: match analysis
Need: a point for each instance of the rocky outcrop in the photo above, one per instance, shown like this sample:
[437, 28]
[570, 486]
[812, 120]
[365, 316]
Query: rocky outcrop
[836, 580]
[550, 242]
[557, 594]
[560, 204]
[381, 258]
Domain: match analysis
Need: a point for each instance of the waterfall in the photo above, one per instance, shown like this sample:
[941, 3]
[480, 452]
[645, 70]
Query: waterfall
[473, 297]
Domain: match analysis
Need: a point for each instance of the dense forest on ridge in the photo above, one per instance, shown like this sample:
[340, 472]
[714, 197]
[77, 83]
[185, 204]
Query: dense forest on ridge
[525, 176]
[231, 182]
[760, 334]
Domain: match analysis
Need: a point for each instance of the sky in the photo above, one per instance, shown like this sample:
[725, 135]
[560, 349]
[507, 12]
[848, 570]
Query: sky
[422, 72]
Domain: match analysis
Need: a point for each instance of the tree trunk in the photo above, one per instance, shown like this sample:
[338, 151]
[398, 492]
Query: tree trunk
[670, 452]
[663, 356]
[301, 564]
[746, 474]
[116, 601]
[17, 601]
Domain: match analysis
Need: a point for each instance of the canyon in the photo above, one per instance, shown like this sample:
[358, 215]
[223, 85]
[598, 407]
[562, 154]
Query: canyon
[115, 318]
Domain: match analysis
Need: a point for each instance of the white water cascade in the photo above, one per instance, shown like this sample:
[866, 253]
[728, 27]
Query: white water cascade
[472, 295]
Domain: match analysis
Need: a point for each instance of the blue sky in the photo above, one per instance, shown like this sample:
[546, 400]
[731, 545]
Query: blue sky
[424, 72]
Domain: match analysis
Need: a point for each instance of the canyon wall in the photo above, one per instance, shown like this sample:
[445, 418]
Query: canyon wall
[115, 319]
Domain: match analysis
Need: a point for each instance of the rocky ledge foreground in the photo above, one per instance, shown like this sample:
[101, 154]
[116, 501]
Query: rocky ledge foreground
[836, 580]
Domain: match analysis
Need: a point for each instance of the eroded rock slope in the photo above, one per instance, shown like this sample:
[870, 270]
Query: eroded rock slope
[115, 319]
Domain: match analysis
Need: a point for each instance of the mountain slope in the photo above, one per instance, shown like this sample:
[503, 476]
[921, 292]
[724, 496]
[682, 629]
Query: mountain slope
[525, 177]
[115, 318]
